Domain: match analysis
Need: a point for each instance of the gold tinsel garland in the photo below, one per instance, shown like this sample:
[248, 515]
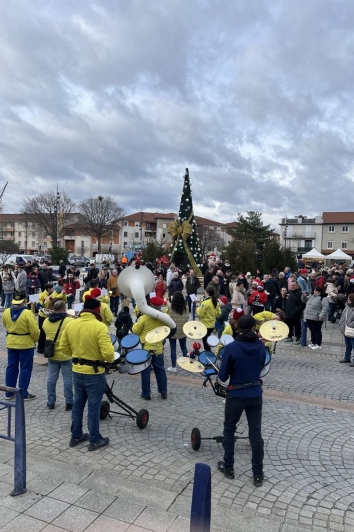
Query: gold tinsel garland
[183, 230]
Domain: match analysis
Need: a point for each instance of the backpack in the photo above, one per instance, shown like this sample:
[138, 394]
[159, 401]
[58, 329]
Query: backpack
[123, 329]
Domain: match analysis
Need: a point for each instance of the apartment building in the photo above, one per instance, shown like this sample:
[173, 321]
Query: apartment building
[301, 233]
[30, 238]
[338, 232]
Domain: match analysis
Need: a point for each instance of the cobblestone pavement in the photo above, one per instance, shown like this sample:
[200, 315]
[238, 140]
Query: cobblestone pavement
[143, 480]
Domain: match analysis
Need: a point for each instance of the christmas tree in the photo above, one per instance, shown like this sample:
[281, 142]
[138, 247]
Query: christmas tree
[185, 241]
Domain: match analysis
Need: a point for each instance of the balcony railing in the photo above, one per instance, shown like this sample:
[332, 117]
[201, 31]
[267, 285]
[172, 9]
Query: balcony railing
[307, 236]
[303, 249]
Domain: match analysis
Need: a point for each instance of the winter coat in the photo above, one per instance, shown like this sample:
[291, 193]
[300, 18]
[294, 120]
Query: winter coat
[21, 281]
[106, 314]
[160, 288]
[123, 318]
[192, 285]
[50, 328]
[180, 320]
[293, 304]
[215, 287]
[316, 307]
[258, 297]
[112, 286]
[87, 337]
[304, 284]
[207, 313]
[331, 292]
[238, 299]
[17, 319]
[8, 285]
[225, 313]
[175, 285]
[70, 287]
[347, 318]
[45, 276]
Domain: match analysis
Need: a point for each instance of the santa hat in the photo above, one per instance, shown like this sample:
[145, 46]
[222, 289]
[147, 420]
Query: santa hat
[260, 287]
[303, 271]
[352, 279]
[237, 314]
[94, 294]
[224, 300]
[156, 301]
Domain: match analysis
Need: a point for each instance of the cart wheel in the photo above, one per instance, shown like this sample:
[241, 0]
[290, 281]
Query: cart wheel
[104, 410]
[142, 418]
[195, 439]
[333, 320]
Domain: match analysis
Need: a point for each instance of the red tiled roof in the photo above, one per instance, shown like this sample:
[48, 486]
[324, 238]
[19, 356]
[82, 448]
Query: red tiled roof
[338, 217]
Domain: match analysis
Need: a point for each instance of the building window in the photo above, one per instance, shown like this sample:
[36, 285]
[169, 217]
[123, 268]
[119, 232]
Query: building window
[125, 223]
[137, 224]
[163, 235]
[33, 234]
[218, 228]
[331, 229]
[19, 243]
[147, 227]
[125, 244]
[11, 224]
[136, 235]
[82, 243]
[344, 244]
[163, 226]
[12, 234]
[33, 244]
[19, 233]
[330, 244]
[308, 244]
[44, 244]
[345, 229]
[125, 234]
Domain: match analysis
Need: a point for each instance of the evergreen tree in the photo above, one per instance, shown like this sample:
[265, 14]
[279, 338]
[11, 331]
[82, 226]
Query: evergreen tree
[186, 249]
[251, 227]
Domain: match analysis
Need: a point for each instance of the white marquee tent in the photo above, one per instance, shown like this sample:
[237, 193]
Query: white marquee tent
[313, 254]
[339, 255]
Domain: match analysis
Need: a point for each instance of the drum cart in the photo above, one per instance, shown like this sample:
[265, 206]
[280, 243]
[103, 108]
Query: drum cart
[141, 417]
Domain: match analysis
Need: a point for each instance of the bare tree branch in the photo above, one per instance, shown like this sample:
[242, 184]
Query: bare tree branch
[99, 216]
[42, 210]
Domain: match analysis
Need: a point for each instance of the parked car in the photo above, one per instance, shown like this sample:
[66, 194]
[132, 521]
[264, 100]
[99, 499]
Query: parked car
[78, 260]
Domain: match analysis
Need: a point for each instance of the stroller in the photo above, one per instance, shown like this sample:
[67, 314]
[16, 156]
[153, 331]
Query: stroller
[340, 302]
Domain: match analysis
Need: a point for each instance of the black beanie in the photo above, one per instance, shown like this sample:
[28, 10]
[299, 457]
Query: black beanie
[126, 309]
[92, 303]
[246, 323]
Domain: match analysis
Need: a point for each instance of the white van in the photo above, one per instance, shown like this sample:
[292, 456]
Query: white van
[20, 259]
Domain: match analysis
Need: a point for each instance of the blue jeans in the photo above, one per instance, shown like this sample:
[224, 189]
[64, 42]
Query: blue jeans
[114, 303]
[304, 324]
[173, 347]
[54, 368]
[19, 361]
[349, 347]
[88, 388]
[70, 300]
[8, 300]
[234, 407]
[331, 309]
[157, 363]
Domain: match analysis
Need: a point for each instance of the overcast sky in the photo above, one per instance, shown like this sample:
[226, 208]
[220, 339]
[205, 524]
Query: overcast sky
[117, 97]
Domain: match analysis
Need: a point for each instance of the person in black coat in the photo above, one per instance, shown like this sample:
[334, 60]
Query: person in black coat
[91, 274]
[123, 323]
[176, 285]
[62, 269]
[293, 311]
[45, 275]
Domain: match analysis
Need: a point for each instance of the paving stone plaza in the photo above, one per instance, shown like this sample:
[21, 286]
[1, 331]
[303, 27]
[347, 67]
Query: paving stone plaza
[144, 479]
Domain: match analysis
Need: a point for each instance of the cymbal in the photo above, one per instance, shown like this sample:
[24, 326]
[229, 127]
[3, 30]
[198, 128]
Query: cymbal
[274, 330]
[158, 334]
[191, 365]
[194, 329]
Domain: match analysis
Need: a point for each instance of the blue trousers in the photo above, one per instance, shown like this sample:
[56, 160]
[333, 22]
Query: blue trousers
[157, 364]
[114, 304]
[349, 347]
[90, 389]
[234, 407]
[19, 361]
[173, 347]
[54, 368]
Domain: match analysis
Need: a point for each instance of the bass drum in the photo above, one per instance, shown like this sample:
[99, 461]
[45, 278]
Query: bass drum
[266, 367]
[137, 360]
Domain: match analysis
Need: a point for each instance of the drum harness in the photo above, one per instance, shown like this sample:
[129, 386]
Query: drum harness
[94, 363]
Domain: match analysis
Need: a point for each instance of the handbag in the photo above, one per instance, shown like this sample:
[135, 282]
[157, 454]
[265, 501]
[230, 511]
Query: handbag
[348, 331]
[50, 344]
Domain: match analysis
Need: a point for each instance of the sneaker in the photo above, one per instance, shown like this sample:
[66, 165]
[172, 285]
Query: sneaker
[29, 397]
[315, 346]
[75, 441]
[164, 395]
[68, 408]
[258, 480]
[288, 340]
[297, 341]
[229, 473]
[310, 345]
[351, 365]
[102, 442]
[146, 397]
[344, 361]
[172, 370]
[9, 397]
[51, 407]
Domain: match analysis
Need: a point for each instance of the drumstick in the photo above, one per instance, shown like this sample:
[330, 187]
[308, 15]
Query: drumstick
[212, 364]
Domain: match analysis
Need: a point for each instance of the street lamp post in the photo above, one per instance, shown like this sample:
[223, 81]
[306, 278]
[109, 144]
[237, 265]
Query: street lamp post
[56, 212]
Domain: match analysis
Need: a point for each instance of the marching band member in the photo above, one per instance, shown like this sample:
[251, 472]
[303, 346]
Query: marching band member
[89, 343]
[44, 301]
[105, 311]
[144, 325]
[242, 362]
[207, 313]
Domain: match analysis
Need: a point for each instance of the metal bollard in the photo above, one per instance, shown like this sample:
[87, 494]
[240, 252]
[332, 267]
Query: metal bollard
[19, 439]
[201, 499]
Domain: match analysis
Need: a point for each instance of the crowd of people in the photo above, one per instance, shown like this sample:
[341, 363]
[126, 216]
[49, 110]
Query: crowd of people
[231, 303]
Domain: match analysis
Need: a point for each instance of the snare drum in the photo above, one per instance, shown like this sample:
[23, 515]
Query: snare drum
[226, 339]
[220, 355]
[130, 342]
[266, 366]
[116, 359]
[221, 388]
[114, 341]
[212, 340]
[137, 360]
[207, 358]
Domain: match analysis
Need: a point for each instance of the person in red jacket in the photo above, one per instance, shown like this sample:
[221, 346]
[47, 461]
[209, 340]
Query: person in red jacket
[257, 299]
[71, 284]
